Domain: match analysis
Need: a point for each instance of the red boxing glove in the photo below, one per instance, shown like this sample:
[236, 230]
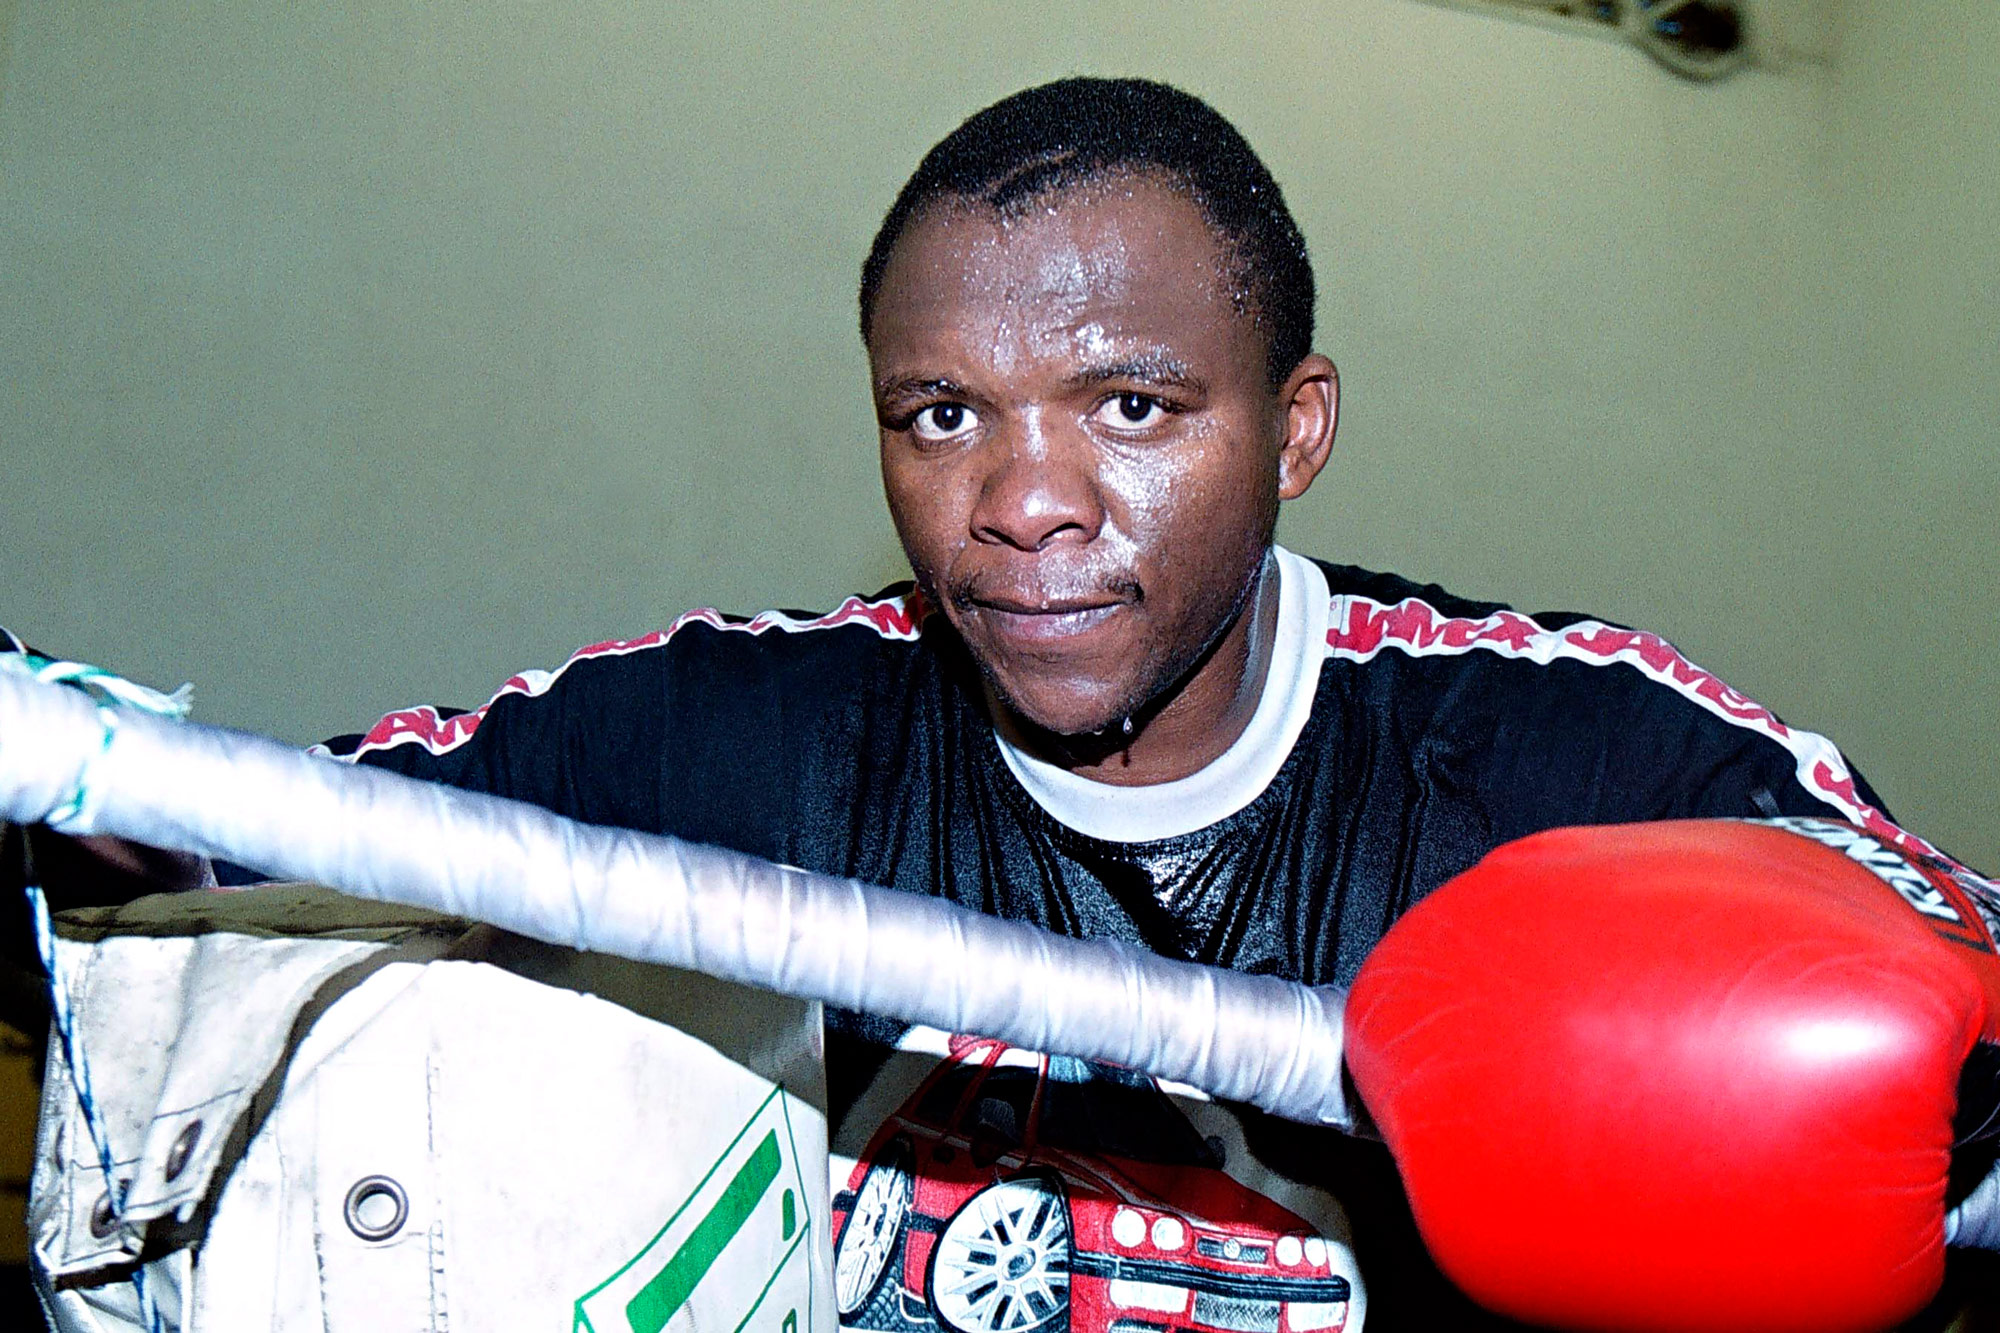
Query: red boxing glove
[1685, 1075]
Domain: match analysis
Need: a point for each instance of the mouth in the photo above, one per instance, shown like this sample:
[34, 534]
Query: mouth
[1045, 621]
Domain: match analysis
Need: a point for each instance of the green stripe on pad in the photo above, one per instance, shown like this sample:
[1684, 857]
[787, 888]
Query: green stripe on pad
[659, 1299]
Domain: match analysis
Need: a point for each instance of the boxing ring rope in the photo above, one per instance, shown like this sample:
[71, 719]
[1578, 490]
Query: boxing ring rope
[84, 767]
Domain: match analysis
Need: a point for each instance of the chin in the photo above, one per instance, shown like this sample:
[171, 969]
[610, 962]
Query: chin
[1069, 712]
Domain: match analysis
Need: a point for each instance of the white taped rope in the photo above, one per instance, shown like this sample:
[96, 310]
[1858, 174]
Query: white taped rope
[1261, 1040]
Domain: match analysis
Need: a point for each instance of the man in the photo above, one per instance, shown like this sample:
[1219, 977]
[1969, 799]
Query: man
[1109, 705]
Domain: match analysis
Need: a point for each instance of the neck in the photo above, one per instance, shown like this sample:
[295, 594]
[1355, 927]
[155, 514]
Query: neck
[1191, 725]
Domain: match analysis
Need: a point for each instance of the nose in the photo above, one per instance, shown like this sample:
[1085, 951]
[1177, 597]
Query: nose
[1041, 489]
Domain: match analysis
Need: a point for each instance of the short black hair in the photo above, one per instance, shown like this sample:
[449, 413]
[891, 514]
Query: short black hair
[1080, 131]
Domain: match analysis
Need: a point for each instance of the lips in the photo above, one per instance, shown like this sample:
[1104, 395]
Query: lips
[1044, 617]
[1044, 612]
[1046, 624]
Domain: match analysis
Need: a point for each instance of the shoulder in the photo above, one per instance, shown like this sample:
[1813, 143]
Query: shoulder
[1564, 669]
[1385, 616]
[1374, 594]
[1576, 662]
[1565, 698]
[705, 658]
[704, 639]
[889, 623]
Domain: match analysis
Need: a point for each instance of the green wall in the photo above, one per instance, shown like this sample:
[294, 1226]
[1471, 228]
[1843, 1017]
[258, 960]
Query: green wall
[360, 353]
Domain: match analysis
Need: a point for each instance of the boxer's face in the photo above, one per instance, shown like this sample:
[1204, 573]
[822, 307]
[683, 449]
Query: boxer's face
[1082, 451]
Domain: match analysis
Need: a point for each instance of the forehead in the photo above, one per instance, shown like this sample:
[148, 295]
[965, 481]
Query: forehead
[1129, 264]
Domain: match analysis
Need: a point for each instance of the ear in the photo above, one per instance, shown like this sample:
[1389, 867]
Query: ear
[1311, 399]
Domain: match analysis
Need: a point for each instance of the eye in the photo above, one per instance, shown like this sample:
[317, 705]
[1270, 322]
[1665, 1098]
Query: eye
[1131, 411]
[943, 421]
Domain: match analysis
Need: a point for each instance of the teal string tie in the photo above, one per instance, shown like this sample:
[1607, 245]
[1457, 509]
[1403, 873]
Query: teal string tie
[113, 694]
[102, 685]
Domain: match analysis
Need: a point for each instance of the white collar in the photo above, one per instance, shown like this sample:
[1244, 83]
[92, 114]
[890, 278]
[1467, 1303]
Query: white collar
[1233, 778]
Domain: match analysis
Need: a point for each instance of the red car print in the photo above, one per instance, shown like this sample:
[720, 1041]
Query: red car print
[1023, 1193]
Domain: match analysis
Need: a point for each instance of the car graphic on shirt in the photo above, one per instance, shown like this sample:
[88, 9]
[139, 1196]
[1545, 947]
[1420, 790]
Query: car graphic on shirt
[1021, 1193]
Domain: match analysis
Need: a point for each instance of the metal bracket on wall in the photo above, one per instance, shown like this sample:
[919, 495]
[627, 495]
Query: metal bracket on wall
[1696, 39]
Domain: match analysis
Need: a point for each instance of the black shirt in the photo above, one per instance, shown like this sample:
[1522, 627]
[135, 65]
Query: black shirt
[1432, 730]
[857, 744]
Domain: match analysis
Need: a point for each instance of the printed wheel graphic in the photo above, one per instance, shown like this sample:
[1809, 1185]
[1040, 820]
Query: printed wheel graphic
[873, 1227]
[1002, 1263]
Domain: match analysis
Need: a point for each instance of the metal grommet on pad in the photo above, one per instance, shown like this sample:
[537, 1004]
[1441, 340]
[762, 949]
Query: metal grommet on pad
[183, 1149]
[376, 1208]
[103, 1217]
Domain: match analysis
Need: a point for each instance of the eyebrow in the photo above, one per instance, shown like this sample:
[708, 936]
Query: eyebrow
[1148, 368]
[1151, 368]
[916, 386]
